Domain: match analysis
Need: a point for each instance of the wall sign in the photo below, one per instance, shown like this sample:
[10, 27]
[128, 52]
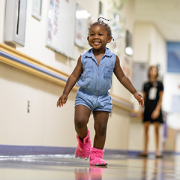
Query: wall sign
[15, 22]
[61, 26]
[37, 9]
[83, 21]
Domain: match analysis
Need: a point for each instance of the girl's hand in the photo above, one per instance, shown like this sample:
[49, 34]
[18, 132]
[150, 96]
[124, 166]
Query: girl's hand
[155, 114]
[139, 98]
[62, 100]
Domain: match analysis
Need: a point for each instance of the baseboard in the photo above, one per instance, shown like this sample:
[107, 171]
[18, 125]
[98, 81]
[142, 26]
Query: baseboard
[171, 153]
[12, 150]
[133, 153]
[114, 152]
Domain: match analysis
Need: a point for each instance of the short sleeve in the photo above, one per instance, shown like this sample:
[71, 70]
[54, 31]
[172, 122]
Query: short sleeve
[82, 57]
[161, 86]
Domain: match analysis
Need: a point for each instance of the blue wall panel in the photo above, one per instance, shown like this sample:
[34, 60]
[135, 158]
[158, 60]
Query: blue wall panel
[173, 57]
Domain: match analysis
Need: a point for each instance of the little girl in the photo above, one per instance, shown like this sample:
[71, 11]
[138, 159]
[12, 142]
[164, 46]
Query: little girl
[93, 73]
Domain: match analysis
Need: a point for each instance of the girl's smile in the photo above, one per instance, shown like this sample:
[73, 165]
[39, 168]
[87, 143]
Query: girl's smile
[98, 37]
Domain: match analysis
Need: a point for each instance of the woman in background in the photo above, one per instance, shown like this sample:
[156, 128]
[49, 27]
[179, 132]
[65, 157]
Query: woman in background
[152, 94]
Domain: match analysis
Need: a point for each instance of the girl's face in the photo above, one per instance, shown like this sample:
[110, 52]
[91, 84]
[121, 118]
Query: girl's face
[98, 37]
[153, 72]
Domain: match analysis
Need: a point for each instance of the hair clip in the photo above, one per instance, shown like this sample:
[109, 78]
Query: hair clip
[102, 21]
[102, 18]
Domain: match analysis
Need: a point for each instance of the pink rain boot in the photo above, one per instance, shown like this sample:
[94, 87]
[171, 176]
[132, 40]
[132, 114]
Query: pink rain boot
[83, 148]
[96, 156]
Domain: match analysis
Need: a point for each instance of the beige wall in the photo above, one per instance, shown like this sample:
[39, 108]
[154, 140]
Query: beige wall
[141, 41]
[158, 50]
[177, 144]
[149, 45]
[2, 15]
[171, 83]
[136, 136]
[45, 124]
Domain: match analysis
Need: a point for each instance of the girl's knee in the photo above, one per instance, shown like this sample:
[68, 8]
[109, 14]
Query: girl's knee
[101, 130]
[80, 123]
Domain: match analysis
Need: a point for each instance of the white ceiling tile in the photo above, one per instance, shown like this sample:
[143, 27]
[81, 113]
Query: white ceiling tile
[165, 14]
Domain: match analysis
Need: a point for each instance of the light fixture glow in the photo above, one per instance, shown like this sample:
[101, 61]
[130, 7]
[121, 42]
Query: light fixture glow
[129, 51]
[82, 14]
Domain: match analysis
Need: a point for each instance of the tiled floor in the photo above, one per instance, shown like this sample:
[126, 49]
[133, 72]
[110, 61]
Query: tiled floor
[68, 168]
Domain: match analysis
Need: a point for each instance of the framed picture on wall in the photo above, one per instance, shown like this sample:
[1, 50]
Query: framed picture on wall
[83, 22]
[61, 14]
[100, 9]
[37, 9]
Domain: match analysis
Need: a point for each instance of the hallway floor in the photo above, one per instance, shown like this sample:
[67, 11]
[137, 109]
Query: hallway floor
[66, 167]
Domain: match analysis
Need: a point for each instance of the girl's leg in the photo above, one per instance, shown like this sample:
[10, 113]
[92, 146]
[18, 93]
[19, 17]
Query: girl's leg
[100, 126]
[156, 128]
[81, 119]
[146, 137]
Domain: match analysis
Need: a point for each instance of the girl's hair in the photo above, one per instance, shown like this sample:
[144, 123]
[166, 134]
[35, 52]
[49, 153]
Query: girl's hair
[101, 23]
[150, 70]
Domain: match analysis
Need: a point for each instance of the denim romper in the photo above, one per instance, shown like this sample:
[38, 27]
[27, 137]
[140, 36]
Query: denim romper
[95, 81]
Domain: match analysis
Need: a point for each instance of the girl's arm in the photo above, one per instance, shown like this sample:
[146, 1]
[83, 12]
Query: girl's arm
[126, 82]
[156, 112]
[70, 83]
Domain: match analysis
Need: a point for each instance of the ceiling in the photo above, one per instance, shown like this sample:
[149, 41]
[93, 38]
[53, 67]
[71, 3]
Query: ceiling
[164, 14]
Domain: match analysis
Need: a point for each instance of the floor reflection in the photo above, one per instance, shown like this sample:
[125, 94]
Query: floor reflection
[156, 169]
[70, 168]
[91, 173]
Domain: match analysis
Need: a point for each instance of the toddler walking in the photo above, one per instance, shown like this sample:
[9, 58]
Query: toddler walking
[93, 73]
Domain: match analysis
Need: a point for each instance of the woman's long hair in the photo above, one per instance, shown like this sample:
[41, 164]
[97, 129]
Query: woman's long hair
[157, 75]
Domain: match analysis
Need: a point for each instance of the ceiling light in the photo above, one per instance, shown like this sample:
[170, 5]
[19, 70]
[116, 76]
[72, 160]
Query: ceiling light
[129, 51]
